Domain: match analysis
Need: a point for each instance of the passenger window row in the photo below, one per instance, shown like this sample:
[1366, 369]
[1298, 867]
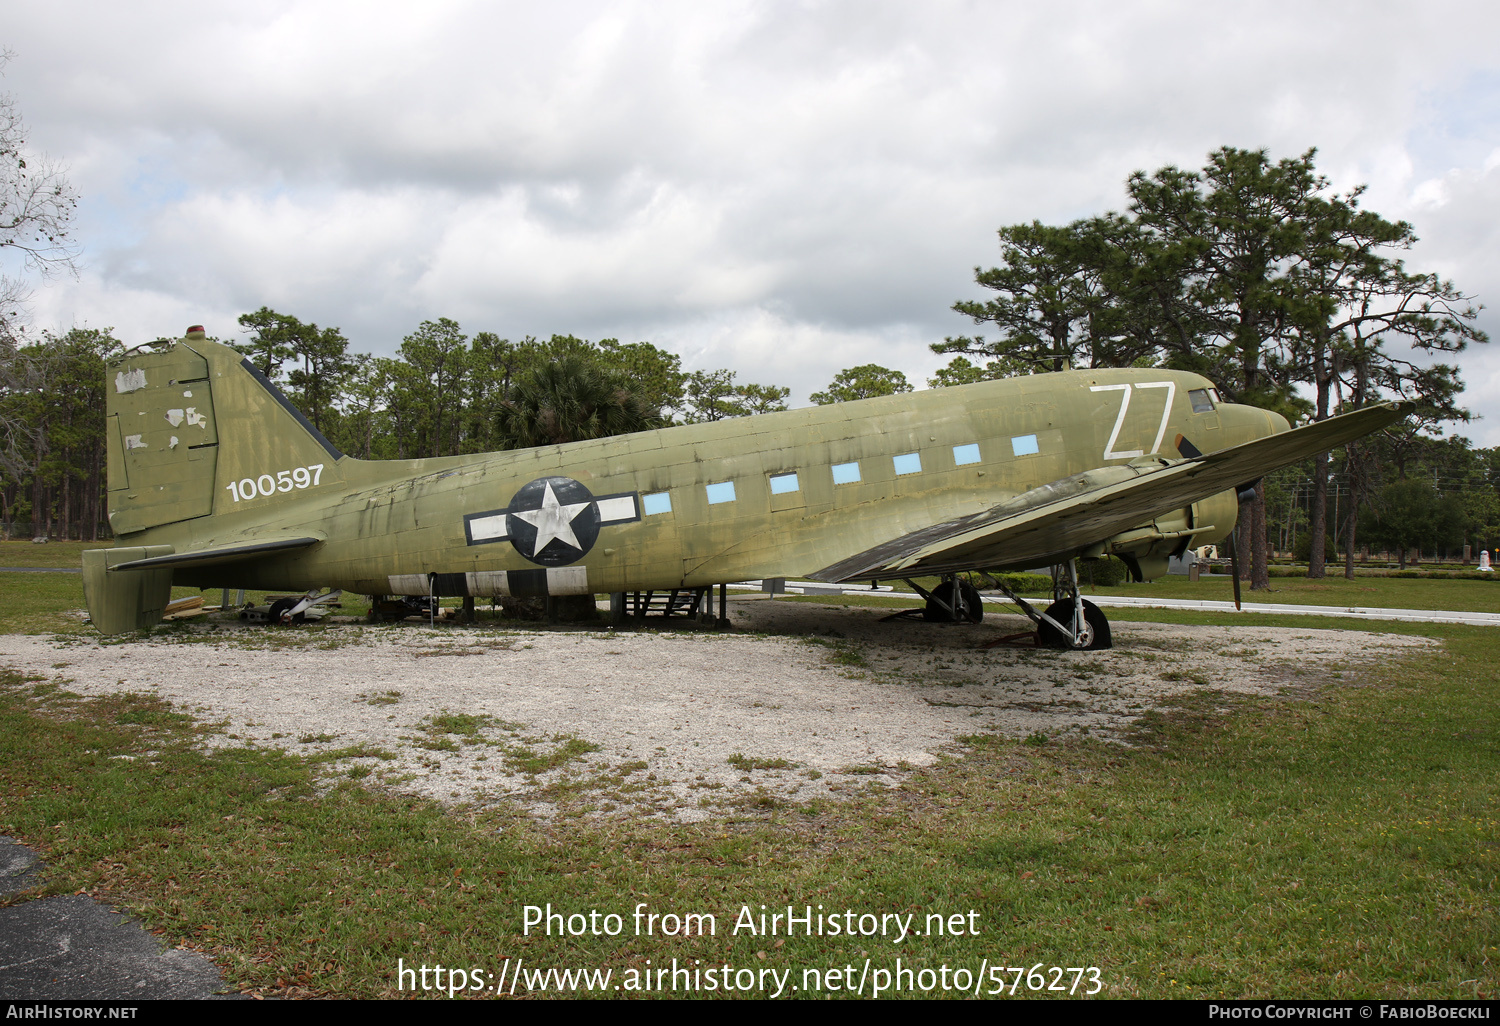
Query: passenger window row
[843, 473]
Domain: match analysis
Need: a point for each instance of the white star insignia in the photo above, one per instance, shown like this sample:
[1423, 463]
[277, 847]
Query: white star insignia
[553, 521]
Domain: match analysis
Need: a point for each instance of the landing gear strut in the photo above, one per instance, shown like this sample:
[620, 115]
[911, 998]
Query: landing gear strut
[1071, 621]
[290, 610]
[952, 601]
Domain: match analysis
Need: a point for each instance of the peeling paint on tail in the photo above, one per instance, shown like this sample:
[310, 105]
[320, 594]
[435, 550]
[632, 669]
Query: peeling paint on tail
[239, 445]
[153, 481]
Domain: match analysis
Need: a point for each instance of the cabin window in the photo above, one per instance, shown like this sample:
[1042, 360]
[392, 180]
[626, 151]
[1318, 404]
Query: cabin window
[660, 502]
[845, 473]
[964, 454]
[1202, 403]
[783, 483]
[1024, 445]
[907, 463]
[721, 492]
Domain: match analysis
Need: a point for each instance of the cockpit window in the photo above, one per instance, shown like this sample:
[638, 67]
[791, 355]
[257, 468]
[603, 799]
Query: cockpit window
[1201, 401]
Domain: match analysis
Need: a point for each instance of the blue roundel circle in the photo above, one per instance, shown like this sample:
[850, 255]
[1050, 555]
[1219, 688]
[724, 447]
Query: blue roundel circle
[553, 521]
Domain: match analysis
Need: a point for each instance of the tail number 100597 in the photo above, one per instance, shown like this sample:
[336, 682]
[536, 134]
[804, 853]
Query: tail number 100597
[284, 481]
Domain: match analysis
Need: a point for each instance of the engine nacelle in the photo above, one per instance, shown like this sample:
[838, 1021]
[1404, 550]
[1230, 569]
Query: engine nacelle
[1147, 550]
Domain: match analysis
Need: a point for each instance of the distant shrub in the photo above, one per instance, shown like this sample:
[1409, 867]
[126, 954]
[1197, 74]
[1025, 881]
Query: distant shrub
[1302, 548]
[1023, 584]
[1104, 573]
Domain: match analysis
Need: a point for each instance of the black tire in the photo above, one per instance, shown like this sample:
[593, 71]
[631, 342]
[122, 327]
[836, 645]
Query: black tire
[1048, 636]
[973, 610]
[278, 608]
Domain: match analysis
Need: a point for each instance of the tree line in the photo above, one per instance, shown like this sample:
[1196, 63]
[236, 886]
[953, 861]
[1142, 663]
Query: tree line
[1286, 294]
[1255, 273]
[444, 393]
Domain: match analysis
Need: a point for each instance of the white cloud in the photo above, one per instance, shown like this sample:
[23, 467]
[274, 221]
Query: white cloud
[782, 188]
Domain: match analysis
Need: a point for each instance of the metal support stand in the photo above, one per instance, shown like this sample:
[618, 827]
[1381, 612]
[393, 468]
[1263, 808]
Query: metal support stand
[691, 603]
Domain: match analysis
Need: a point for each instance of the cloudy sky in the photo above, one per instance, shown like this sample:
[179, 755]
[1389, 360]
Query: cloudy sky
[784, 189]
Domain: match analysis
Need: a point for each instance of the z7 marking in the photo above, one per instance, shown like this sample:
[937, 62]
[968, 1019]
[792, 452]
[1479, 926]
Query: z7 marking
[1166, 413]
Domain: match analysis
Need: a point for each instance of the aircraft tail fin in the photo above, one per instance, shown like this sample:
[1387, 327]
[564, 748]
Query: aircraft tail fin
[195, 429]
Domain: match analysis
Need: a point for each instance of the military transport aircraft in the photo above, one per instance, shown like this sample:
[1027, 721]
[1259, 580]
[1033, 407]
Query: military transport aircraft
[216, 480]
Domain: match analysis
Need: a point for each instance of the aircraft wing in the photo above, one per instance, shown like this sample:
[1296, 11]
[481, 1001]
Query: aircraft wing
[1051, 523]
[218, 555]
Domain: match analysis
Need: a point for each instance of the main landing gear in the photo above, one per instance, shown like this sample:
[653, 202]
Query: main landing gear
[1071, 621]
[952, 601]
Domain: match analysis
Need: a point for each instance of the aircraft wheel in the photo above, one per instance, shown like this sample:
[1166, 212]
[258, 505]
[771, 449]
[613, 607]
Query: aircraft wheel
[973, 610]
[278, 608]
[1095, 632]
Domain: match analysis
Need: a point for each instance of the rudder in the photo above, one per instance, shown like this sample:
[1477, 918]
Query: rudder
[194, 429]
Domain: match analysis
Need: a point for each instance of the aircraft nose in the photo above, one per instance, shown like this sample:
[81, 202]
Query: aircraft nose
[1247, 423]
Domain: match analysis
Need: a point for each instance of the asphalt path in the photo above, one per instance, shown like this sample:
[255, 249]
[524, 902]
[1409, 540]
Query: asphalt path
[1354, 612]
[1122, 601]
[69, 947]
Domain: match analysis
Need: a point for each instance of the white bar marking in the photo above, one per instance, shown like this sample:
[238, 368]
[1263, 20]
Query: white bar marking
[1109, 446]
[408, 584]
[1171, 387]
[567, 580]
[488, 582]
[621, 507]
[488, 528]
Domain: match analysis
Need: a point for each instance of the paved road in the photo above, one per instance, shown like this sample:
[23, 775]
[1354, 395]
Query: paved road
[1123, 601]
[1355, 612]
[71, 947]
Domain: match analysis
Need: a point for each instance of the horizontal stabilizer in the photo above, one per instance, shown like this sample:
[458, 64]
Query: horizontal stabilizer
[1052, 523]
[216, 556]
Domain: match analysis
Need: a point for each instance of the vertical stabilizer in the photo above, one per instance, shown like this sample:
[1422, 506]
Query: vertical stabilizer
[195, 430]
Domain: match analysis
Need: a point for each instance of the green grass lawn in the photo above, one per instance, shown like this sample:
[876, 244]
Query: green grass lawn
[1337, 843]
[63, 554]
[1330, 842]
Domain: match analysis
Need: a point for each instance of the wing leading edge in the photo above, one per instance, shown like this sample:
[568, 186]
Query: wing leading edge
[1051, 523]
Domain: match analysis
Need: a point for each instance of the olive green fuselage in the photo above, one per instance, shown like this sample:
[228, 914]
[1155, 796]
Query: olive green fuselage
[866, 472]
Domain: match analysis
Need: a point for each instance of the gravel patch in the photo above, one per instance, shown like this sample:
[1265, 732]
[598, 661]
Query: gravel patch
[801, 701]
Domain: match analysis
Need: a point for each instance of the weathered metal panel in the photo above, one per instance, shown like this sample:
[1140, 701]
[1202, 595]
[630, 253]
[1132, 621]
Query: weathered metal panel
[162, 453]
